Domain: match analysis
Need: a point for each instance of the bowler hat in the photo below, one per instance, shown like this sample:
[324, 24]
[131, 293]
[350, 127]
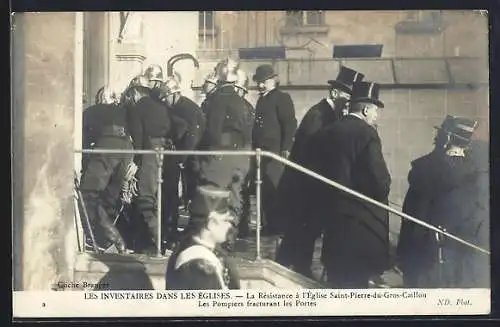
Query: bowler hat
[345, 79]
[366, 92]
[263, 72]
[208, 199]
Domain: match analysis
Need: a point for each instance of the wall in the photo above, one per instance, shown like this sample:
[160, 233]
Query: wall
[44, 117]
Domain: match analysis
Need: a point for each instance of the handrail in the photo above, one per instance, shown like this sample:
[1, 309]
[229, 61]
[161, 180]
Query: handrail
[259, 152]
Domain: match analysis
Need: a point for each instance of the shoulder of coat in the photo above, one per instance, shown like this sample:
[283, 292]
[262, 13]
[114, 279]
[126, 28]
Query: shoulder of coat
[205, 266]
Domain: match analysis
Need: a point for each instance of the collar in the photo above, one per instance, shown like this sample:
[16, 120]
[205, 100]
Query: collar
[455, 152]
[267, 92]
[355, 114]
[206, 244]
[330, 102]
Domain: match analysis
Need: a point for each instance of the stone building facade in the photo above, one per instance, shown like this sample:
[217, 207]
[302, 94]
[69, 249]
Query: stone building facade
[431, 65]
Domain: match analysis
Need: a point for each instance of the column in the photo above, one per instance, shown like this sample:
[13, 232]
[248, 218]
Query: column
[43, 107]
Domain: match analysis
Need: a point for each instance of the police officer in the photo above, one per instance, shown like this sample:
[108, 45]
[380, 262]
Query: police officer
[297, 247]
[197, 263]
[149, 125]
[444, 191]
[105, 127]
[187, 110]
[273, 131]
[227, 129]
[356, 234]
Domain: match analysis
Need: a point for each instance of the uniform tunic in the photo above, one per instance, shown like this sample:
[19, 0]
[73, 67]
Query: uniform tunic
[200, 273]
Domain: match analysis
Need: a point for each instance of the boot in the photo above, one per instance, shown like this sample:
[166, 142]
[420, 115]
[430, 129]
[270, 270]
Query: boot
[113, 235]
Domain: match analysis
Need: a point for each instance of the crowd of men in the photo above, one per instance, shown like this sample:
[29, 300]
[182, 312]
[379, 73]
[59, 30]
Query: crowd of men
[337, 138]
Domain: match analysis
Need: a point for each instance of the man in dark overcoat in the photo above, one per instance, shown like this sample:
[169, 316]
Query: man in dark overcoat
[456, 204]
[297, 247]
[273, 131]
[349, 152]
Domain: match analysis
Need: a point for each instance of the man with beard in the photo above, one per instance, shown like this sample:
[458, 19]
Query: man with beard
[174, 166]
[349, 152]
[198, 263]
[149, 125]
[105, 127]
[301, 232]
[446, 190]
[273, 131]
[226, 129]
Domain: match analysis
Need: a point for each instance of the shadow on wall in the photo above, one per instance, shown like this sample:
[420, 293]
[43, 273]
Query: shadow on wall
[120, 278]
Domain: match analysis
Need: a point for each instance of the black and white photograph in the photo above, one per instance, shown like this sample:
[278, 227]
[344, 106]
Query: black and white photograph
[250, 163]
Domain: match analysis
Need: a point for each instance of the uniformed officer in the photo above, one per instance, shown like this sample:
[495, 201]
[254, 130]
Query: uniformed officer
[446, 187]
[356, 234]
[297, 246]
[273, 131]
[197, 264]
[105, 127]
[227, 129]
[149, 125]
[174, 166]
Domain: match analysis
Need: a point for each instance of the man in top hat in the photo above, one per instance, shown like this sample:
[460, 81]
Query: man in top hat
[444, 191]
[274, 128]
[349, 152]
[185, 109]
[198, 263]
[297, 247]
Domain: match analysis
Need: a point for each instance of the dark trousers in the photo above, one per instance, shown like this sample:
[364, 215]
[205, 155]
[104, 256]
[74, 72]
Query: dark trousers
[190, 175]
[101, 185]
[170, 198]
[145, 204]
[347, 279]
[229, 173]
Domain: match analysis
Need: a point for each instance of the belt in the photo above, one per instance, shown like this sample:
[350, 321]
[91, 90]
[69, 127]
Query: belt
[114, 130]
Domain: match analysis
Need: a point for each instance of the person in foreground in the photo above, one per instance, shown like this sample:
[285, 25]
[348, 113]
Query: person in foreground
[198, 263]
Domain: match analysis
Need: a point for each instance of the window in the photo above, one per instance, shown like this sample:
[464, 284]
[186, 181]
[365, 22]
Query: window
[421, 22]
[206, 20]
[307, 18]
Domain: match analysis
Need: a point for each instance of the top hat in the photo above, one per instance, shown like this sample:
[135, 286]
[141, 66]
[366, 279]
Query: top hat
[463, 128]
[345, 79]
[208, 199]
[263, 72]
[366, 92]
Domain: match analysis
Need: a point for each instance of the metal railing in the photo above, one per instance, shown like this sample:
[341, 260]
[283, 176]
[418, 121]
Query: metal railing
[258, 153]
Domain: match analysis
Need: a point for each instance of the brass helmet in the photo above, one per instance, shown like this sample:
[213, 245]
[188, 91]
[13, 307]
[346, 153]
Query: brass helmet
[212, 78]
[170, 86]
[154, 73]
[241, 80]
[226, 67]
[106, 95]
[139, 81]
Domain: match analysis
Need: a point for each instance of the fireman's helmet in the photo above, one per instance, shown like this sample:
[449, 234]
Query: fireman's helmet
[241, 80]
[154, 73]
[140, 80]
[170, 86]
[106, 95]
[212, 78]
